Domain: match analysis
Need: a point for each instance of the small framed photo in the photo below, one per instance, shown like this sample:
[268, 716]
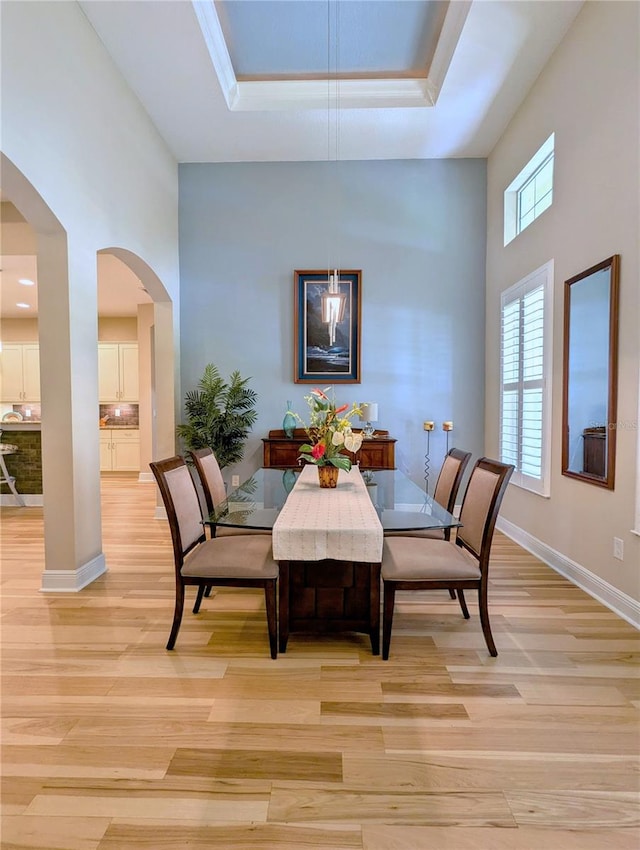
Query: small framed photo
[327, 326]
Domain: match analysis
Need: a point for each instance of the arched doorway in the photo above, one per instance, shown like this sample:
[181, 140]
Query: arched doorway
[154, 317]
[67, 290]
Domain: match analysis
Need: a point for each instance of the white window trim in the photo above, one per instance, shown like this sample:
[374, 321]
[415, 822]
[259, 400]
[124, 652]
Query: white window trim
[511, 192]
[541, 276]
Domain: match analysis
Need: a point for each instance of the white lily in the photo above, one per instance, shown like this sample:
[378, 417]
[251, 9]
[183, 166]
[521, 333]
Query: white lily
[353, 442]
[338, 438]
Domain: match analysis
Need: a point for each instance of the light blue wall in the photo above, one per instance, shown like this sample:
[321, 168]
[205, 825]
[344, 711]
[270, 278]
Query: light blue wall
[416, 229]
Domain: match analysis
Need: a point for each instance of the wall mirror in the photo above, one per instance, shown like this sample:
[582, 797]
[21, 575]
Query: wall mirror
[590, 369]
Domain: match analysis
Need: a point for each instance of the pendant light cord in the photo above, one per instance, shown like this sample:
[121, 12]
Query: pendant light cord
[333, 205]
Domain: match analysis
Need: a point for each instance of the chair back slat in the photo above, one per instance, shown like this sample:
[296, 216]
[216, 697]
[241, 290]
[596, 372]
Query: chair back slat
[181, 503]
[450, 477]
[211, 478]
[185, 505]
[481, 504]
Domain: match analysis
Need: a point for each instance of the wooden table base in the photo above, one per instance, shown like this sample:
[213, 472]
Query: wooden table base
[329, 596]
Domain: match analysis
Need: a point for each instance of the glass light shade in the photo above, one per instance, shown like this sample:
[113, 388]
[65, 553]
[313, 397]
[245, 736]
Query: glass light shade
[333, 306]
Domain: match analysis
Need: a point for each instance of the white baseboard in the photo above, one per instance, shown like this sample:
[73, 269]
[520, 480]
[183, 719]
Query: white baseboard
[620, 603]
[71, 581]
[31, 500]
[146, 477]
[161, 513]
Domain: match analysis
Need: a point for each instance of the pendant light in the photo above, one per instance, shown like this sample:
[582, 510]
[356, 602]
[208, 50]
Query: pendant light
[334, 302]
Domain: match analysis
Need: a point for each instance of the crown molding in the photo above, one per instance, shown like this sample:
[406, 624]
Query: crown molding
[273, 95]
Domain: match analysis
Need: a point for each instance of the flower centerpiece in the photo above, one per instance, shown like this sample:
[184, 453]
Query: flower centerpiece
[329, 431]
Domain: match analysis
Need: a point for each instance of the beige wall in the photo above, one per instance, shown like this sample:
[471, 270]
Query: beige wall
[112, 329]
[103, 180]
[19, 330]
[588, 96]
[109, 330]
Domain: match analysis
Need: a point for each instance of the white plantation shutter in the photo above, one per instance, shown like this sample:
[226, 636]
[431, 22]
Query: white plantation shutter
[525, 385]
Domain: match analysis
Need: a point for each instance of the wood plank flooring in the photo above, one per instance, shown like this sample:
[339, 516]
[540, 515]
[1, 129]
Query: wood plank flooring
[112, 743]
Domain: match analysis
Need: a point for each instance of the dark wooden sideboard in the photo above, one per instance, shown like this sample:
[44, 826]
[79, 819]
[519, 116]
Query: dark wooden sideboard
[281, 452]
[595, 451]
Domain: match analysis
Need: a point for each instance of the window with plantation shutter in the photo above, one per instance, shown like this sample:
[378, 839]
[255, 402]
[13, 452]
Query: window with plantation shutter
[525, 383]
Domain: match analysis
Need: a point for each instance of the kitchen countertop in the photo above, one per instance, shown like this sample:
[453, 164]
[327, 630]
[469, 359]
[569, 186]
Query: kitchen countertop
[37, 426]
[21, 426]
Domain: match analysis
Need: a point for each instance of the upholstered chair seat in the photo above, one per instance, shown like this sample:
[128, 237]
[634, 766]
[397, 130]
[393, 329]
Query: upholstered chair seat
[226, 559]
[405, 560]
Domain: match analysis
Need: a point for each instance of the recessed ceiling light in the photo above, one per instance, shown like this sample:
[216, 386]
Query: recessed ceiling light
[23, 305]
[26, 282]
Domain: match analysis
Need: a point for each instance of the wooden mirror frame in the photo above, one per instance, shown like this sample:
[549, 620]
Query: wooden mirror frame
[607, 479]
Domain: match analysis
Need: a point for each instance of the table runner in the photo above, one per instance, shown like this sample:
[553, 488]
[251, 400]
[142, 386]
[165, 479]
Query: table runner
[317, 523]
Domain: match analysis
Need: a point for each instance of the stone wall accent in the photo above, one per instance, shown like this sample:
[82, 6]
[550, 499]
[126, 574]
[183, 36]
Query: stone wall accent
[26, 463]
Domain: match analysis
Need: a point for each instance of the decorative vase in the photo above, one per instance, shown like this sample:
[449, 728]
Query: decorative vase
[289, 422]
[328, 475]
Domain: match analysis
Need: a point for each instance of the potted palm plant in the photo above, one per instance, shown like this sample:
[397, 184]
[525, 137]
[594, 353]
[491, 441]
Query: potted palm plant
[219, 415]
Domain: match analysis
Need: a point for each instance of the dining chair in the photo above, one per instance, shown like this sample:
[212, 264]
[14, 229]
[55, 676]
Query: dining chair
[410, 563]
[233, 561]
[445, 494]
[215, 492]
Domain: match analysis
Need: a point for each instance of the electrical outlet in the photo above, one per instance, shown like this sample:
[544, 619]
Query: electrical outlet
[235, 480]
[618, 548]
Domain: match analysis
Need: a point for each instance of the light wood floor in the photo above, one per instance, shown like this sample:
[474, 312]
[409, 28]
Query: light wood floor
[112, 743]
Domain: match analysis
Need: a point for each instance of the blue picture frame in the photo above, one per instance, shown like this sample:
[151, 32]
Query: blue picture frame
[317, 359]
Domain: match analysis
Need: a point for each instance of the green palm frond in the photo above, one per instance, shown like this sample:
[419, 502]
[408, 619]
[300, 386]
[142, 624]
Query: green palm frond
[219, 414]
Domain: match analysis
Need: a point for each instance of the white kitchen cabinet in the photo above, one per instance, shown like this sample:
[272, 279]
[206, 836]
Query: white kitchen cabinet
[119, 450]
[20, 374]
[118, 371]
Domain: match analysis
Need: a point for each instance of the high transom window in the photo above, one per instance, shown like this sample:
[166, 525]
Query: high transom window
[531, 193]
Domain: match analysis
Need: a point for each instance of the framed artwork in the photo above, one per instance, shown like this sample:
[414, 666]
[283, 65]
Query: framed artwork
[327, 327]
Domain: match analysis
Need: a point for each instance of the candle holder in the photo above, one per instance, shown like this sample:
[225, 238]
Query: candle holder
[428, 427]
[447, 427]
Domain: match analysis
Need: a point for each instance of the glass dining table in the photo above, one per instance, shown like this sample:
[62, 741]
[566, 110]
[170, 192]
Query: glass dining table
[330, 595]
[400, 503]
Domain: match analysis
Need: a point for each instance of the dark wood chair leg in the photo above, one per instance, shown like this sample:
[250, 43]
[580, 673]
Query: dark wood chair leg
[387, 617]
[452, 593]
[463, 604]
[207, 592]
[196, 604]
[484, 620]
[177, 615]
[272, 620]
